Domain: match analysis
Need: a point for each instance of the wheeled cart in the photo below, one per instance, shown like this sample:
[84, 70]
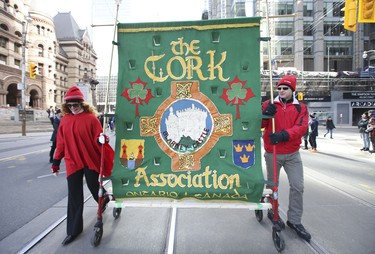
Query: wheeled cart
[188, 118]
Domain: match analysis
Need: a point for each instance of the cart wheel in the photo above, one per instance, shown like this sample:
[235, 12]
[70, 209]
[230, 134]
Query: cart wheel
[116, 212]
[259, 215]
[98, 233]
[278, 240]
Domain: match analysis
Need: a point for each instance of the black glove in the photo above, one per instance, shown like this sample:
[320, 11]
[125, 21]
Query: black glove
[277, 137]
[270, 110]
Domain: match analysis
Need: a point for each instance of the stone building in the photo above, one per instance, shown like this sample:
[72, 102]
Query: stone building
[61, 51]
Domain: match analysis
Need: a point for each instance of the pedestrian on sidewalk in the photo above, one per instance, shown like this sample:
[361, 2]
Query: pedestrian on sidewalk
[329, 126]
[306, 139]
[313, 123]
[56, 123]
[362, 126]
[291, 121]
[77, 142]
[51, 114]
[371, 130]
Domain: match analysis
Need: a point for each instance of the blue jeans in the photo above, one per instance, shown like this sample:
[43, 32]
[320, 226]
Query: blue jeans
[330, 131]
[366, 139]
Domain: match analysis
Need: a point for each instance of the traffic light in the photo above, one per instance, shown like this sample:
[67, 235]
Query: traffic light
[33, 68]
[366, 11]
[300, 96]
[350, 15]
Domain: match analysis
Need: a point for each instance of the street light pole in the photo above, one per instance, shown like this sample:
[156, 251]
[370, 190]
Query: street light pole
[23, 95]
[23, 79]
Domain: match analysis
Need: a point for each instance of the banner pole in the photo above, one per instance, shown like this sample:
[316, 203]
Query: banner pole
[118, 2]
[275, 204]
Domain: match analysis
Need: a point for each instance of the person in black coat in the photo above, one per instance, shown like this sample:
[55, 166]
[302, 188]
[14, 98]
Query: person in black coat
[329, 126]
[313, 123]
[56, 123]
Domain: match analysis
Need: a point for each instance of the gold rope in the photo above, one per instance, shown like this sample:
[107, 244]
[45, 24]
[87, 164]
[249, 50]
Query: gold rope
[200, 28]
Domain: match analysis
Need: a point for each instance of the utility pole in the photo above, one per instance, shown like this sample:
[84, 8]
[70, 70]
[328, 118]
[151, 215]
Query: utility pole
[24, 31]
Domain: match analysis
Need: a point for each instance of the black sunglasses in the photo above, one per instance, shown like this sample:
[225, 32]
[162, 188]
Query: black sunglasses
[283, 88]
[73, 105]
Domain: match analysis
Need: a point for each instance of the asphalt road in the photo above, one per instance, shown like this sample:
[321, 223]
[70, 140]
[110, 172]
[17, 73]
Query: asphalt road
[339, 213]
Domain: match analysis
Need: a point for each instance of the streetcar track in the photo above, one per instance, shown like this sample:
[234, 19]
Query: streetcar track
[23, 154]
[52, 227]
[342, 191]
[23, 146]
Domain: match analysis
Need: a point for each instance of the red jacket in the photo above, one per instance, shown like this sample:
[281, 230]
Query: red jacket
[292, 117]
[77, 143]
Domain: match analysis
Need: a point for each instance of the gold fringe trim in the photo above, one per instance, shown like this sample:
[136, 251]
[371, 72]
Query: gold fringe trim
[199, 28]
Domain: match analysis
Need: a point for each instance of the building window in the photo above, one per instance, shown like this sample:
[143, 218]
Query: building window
[285, 8]
[4, 27]
[284, 28]
[339, 48]
[239, 9]
[308, 48]
[308, 29]
[40, 50]
[337, 9]
[3, 59]
[17, 48]
[3, 42]
[333, 28]
[286, 48]
[17, 62]
[308, 9]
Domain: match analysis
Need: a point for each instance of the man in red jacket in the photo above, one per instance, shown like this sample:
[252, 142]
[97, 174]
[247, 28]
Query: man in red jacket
[291, 122]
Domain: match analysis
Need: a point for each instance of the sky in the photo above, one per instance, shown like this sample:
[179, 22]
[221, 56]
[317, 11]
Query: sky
[103, 12]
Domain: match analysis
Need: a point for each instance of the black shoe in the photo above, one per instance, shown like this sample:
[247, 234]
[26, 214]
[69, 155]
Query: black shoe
[300, 230]
[68, 239]
[366, 149]
[105, 202]
[325, 135]
[280, 221]
[363, 148]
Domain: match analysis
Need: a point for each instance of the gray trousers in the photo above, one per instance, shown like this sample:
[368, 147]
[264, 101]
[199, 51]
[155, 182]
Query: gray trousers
[293, 167]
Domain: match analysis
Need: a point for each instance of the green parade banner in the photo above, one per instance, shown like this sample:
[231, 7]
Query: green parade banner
[188, 111]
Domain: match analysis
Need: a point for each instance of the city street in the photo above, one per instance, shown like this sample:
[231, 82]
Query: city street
[339, 208]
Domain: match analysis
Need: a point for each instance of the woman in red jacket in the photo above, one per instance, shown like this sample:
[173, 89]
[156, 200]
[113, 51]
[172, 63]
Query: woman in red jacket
[77, 143]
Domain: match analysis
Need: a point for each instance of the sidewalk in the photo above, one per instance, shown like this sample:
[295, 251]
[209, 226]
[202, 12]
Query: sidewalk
[15, 127]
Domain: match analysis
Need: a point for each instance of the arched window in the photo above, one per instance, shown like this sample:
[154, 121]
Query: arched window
[4, 27]
[40, 50]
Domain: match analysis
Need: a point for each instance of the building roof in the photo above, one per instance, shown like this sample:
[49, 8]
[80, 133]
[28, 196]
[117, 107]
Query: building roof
[67, 28]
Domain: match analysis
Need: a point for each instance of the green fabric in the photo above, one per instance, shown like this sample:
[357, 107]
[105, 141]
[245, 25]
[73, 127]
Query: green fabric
[188, 111]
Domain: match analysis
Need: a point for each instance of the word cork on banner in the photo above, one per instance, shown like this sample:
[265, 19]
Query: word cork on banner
[188, 111]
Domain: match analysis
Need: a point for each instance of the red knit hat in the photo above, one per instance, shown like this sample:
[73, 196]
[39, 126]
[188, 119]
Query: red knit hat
[290, 81]
[74, 94]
